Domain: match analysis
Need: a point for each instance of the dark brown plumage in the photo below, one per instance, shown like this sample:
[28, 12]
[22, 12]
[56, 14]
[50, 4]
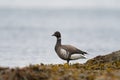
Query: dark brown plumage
[67, 52]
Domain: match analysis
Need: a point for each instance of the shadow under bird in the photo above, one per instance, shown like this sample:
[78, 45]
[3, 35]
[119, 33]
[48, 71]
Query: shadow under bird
[67, 52]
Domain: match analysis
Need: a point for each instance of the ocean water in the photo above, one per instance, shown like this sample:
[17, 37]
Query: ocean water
[25, 34]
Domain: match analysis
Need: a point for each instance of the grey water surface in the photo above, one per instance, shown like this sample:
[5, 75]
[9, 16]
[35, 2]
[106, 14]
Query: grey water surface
[25, 34]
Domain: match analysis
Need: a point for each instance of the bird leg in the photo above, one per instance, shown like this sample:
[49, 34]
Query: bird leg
[68, 58]
[67, 61]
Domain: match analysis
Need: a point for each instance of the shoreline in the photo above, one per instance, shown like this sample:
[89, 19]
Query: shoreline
[106, 67]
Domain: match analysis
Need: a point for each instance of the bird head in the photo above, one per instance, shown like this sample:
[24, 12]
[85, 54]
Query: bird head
[57, 34]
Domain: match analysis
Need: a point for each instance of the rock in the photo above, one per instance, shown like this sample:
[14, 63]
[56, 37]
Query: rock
[112, 57]
[106, 67]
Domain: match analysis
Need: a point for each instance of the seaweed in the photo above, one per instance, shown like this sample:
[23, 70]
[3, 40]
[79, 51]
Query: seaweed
[105, 67]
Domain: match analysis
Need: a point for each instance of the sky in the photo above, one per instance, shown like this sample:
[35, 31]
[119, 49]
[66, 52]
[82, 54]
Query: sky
[60, 4]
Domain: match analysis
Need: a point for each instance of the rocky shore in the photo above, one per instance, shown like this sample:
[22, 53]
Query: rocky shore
[105, 67]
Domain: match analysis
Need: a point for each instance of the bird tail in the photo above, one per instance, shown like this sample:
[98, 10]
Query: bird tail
[84, 53]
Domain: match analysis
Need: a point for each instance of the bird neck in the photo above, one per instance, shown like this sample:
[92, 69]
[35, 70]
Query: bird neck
[58, 41]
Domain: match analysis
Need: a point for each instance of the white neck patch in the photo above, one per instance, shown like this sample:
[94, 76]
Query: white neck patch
[59, 38]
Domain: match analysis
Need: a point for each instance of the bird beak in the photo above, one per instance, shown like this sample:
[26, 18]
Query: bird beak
[53, 35]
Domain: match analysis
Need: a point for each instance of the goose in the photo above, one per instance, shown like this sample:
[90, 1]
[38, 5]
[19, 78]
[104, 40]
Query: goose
[67, 52]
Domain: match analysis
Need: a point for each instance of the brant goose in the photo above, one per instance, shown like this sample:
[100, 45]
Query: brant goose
[67, 52]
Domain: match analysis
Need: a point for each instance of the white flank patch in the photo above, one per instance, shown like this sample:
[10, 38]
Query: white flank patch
[64, 53]
[77, 56]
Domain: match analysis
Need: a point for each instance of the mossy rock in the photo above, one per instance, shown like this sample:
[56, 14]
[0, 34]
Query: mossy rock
[98, 68]
[106, 61]
[113, 57]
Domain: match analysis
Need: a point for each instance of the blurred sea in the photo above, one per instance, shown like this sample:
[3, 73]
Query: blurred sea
[25, 34]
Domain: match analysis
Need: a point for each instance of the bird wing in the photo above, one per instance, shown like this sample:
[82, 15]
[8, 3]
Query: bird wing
[72, 49]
